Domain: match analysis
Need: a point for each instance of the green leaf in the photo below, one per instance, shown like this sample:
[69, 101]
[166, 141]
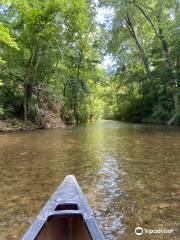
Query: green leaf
[6, 38]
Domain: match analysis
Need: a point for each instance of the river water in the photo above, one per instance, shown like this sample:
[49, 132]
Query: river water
[129, 173]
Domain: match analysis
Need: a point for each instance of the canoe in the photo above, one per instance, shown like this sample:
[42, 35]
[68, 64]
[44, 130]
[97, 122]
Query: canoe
[66, 216]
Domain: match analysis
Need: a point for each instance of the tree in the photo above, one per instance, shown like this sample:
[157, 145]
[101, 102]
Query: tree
[158, 30]
[154, 42]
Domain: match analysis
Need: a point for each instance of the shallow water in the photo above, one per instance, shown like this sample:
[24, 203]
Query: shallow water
[129, 173]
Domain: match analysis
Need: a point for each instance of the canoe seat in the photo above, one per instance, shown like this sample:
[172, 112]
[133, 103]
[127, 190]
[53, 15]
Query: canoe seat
[66, 206]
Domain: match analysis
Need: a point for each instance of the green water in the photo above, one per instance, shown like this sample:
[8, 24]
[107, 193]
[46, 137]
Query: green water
[129, 173]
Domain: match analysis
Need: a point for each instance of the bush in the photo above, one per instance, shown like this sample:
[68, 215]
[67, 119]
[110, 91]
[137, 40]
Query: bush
[160, 113]
[136, 110]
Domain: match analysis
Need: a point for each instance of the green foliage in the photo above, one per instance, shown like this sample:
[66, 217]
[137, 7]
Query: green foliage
[6, 38]
[50, 52]
[58, 53]
[146, 81]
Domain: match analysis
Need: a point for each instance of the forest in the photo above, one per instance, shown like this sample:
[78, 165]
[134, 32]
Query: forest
[52, 54]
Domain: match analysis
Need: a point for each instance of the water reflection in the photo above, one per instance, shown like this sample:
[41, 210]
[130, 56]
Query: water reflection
[129, 173]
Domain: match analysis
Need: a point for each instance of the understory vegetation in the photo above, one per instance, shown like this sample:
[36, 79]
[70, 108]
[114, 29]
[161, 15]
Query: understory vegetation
[51, 55]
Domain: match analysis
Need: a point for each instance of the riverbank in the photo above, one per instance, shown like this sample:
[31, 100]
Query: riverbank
[15, 125]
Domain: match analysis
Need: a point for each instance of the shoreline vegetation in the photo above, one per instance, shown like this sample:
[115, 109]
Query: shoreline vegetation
[67, 62]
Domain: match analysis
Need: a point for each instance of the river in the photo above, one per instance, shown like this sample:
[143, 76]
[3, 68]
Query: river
[129, 173]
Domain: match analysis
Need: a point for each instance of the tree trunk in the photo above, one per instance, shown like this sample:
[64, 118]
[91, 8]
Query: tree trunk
[25, 104]
[146, 85]
[75, 105]
[141, 50]
[29, 82]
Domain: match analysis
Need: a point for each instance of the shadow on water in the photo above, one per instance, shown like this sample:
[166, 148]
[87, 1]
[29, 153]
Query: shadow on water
[128, 172]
